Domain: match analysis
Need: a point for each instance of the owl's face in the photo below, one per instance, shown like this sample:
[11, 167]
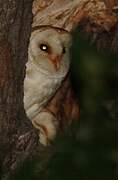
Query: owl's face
[49, 50]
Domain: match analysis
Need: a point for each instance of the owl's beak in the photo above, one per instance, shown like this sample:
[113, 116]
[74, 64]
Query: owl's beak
[55, 59]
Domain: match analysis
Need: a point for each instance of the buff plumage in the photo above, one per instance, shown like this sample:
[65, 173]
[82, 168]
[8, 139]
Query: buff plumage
[48, 64]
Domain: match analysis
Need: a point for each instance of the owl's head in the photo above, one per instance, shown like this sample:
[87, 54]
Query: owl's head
[49, 50]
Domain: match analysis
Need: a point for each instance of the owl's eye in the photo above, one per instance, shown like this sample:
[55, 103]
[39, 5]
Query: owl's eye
[63, 50]
[44, 47]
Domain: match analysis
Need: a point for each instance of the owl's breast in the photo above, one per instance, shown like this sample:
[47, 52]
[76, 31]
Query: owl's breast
[38, 89]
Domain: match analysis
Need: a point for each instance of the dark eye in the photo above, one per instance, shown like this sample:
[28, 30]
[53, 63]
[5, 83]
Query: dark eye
[44, 47]
[63, 50]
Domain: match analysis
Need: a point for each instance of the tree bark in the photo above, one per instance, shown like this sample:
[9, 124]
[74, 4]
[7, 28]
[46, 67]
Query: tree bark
[18, 139]
[14, 127]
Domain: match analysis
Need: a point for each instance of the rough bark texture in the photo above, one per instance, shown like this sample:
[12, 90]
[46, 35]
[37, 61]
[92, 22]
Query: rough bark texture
[14, 128]
[18, 140]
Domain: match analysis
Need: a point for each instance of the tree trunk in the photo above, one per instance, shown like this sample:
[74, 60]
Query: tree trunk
[14, 127]
[18, 139]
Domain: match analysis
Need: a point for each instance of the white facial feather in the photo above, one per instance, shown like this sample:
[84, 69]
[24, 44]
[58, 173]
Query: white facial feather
[48, 64]
[56, 41]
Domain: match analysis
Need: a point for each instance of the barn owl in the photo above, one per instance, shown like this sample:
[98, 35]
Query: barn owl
[48, 64]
